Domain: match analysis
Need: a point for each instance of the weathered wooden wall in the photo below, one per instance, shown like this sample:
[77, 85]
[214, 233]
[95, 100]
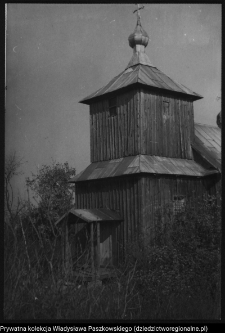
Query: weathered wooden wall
[141, 126]
[138, 198]
[157, 193]
[122, 195]
[167, 125]
[113, 137]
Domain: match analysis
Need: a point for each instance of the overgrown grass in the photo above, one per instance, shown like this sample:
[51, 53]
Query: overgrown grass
[177, 277]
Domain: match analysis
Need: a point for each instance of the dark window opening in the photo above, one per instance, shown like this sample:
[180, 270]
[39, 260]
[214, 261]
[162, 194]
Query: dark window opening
[112, 106]
[179, 202]
[166, 109]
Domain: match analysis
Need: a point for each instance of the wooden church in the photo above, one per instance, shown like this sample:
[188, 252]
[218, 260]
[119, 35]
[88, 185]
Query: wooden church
[146, 153]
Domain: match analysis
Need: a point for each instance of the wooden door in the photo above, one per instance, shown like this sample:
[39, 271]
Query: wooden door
[107, 244]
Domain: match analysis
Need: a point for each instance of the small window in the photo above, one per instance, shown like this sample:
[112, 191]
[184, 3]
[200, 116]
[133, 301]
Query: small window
[179, 202]
[112, 106]
[166, 109]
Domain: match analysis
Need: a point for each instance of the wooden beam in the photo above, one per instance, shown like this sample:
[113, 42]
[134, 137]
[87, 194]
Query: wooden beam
[67, 254]
[98, 246]
[92, 249]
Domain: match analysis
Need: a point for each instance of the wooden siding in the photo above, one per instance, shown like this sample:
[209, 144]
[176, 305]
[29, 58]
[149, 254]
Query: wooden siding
[141, 127]
[137, 199]
[169, 134]
[157, 195]
[114, 136]
[119, 194]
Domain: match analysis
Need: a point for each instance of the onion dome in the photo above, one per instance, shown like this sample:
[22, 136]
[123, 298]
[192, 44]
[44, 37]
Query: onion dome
[139, 36]
[138, 41]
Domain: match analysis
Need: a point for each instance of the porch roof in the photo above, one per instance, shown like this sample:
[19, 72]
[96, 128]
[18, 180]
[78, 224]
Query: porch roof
[93, 215]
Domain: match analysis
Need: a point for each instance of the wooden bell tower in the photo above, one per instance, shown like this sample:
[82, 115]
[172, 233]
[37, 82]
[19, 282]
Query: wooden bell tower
[141, 131]
[141, 111]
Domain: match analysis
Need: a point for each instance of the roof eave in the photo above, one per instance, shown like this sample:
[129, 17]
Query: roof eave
[89, 101]
[203, 174]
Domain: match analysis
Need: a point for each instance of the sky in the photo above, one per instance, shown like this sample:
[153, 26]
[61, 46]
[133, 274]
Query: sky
[57, 54]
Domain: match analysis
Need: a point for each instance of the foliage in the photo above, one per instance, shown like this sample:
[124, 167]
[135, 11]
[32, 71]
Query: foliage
[177, 277]
[52, 191]
[184, 262]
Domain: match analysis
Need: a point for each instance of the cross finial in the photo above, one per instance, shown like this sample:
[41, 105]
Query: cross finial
[138, 12]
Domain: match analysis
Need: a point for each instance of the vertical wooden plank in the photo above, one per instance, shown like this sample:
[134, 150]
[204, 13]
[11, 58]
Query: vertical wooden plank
[156, 143]
[149, 125]
[125, 212]
[110, 135]
[132, 125]
[98, 245]
[141, 205]
[160, 124]
[151, 197]
[135, 119]
[122, 124]
[94, 133]
[168, 132]
[116, 133]
[158, 140]
[138, 122]
[136, 210]
[141, 120]
[103, 131]
[77, 196]
[180, 130]
[81, 197]
[91, 134]
[125, 127]
[118, 125]
[121, 225]
[176, 131]
[129, 181]
[162, 127]
[132, 207]
[183, 126]
[152, 108]
[128, 125]
[107, 128]
[173, 139]
[145, 120]
[110, 246]
[92, 248]
[100, 133]
[67, 249]
[192, 121]
[113, 137]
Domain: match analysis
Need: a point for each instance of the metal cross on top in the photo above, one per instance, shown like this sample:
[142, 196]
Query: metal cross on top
[138, 11]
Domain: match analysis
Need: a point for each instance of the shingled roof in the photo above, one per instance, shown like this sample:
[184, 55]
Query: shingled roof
[142, 75]
[142, 164]
[207, 143]
[141, 71]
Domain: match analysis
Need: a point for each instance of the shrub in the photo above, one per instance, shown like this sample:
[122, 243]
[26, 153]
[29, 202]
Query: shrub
[177, 277]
